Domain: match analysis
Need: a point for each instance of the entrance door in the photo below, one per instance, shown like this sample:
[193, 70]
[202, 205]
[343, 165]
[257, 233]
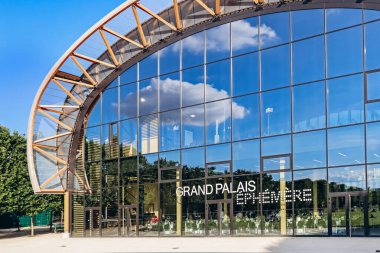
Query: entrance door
[219, 215]
[93, 221]
[130, 220]
[348, 214]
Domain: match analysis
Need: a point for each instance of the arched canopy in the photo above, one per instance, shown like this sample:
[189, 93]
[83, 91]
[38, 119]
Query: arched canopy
[127, 34]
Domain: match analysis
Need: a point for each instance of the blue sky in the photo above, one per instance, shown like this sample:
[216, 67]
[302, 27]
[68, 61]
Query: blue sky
[34, 35]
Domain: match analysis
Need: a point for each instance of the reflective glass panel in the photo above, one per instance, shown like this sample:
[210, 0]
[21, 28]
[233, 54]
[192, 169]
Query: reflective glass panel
[217, 153]
[129, 76]
[148, 96]
[218, 42]
[193, 163]
[308, 60]
[94, 118]
[275, 64]
[346, 145]
[148, 134]
[373, 86]
[373, 142]
[276, 145]
[218, 80]
[245, 74]
[373, 175]
[193, 86]
[371, 15]
[344, 52]
[169, 210]
[274, 29]
[372, 42]
[340, 18]
[307, 23]
[170, 130]
[309, 107]
[128, 171]
[148, 210]
[275, 112]
[148, 168]
[193, 50]
[128, 137]
[309, 150]
[148, 67]
[110, 105]
[170, 91]
[345, 98]
[218, 122]
[128, 101]
[169, 58]
[244, 35]
[193, 126]
[372, 111]
[246, 157]
[310, 202]
[245, 117]
[344, 179]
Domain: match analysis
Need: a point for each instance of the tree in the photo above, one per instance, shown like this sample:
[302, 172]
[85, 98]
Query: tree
[16, 193]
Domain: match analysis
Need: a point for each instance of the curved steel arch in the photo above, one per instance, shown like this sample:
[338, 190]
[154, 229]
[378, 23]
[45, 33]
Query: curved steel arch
[53, 153]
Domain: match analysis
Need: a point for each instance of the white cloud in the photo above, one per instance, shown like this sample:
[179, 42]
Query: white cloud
[170, 90]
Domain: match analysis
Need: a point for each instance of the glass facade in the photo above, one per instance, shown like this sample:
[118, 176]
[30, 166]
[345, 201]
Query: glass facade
[263, 126]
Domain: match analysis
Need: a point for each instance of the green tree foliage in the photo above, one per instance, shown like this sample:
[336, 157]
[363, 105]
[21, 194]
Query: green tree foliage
[16, 193]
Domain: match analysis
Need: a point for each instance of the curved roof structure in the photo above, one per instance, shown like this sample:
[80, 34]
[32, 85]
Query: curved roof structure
[127, 34]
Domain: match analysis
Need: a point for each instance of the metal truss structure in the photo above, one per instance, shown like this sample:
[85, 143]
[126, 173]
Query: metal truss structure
[68, 92]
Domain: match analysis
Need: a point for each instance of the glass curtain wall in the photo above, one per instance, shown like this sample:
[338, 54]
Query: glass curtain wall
[280, 110]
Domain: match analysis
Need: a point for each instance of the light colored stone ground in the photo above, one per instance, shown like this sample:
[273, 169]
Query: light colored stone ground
[54, 243]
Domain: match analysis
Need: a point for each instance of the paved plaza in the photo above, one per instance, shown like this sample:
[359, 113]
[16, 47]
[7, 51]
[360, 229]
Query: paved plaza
[55, 243]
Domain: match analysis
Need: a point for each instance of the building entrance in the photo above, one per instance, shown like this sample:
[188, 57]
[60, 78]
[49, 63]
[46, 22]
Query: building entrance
[93, 221]
[348, 214]
[130, 220]
[219, 214]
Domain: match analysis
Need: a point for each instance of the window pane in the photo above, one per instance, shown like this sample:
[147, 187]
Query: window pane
[218, 153]
[347, 179]
[93, 145]
[373, 142]
[148, 134]
[245, 74]
[193, 86]
[170, 130]
[94, 118]
[193, 163]
[193, 50]
[276, 145]
[371, 15]
[246, 157]
[218, 42]
[307, 23]
[372, 111]
[148, 92]
[128, 171]
[148, 165]
[373, 86]
[218, 80]
[340, 18]
[110, 105]
[128, 138]
[193, 126]
[275, 114]
[245, 116]
[275, 63]
[346, 145]
[345, 100]
[170, 163]
[244, 35]
[218, 122]
[274, 29]
[311, 216]
[344, 52]
[129, 76]
[372, 42]
[128, 101]
[148, 67]
[170, 87]
[169, 58]
[309, 107]
[309, 150]
[308, 60]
